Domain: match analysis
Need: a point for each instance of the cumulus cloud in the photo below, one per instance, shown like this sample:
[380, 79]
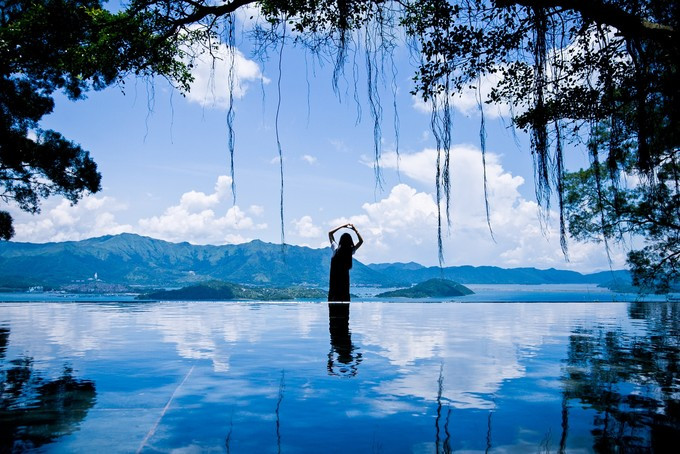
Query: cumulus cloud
[468, 209]
[403, 225]
[197, 218]
[399, 225]
[210, 87]
[468, 100]
[305, 228]
[62, 221]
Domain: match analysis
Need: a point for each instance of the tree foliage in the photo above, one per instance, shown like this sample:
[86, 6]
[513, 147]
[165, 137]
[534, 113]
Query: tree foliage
[605, 202]
[596, 74]
[73, 46]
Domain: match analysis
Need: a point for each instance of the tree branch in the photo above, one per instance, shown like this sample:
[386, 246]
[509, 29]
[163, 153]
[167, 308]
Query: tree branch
[629, 24]
[203, 11]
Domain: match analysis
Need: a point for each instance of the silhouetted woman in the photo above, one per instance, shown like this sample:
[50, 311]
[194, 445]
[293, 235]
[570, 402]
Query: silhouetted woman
[341, 262]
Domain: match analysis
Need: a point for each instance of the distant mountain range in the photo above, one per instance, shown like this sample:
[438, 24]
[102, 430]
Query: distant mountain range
[414, 273]
[137, 261]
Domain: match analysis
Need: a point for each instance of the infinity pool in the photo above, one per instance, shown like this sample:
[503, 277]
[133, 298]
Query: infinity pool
[313, 378]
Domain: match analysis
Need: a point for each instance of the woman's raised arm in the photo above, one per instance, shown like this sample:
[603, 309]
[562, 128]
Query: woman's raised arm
[361, 240]
[330, 233]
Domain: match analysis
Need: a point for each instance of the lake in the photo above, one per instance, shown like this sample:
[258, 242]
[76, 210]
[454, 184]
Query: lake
[371, 377]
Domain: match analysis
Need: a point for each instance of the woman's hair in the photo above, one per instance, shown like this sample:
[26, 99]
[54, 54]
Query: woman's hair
[345, 249]
[346, 240]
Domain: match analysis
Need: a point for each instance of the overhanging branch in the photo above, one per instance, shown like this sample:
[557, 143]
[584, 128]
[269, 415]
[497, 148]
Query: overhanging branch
[202, 11]
[629, 24]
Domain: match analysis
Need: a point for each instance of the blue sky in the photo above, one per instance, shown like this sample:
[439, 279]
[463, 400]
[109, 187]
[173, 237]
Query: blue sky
[165, 166]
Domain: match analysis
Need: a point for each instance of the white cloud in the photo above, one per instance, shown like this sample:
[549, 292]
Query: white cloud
[305, 228]
[309, 159]
[210, 87]
[467, 179]
[397, 226]
[62, 221]
[196, 218]
[403, 226]
[468, 100]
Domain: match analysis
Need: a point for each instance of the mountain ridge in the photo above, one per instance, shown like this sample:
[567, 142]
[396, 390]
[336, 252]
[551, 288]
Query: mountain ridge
[136, 260]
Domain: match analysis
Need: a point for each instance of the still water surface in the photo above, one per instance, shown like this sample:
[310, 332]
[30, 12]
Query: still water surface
[312, 378]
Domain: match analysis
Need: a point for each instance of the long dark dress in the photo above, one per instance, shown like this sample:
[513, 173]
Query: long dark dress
[338, 286]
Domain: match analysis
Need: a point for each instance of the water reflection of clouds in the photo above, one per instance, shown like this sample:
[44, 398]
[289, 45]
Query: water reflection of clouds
[53, 331]
[478, 346]
[211, 333]
[449, 368]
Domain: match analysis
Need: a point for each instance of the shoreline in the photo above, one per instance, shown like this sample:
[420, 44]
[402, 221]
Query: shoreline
[484, 293]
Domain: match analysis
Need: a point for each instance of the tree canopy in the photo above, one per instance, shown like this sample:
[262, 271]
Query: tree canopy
[595, 74]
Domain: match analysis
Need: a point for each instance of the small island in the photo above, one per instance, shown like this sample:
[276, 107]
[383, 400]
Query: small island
[226, 291]
[432, 288]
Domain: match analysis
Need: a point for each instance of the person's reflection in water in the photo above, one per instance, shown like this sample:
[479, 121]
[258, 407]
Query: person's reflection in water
[343, 359]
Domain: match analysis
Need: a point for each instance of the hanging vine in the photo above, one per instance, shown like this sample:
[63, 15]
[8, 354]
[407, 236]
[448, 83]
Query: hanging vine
[230, 26]
[276, 127]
